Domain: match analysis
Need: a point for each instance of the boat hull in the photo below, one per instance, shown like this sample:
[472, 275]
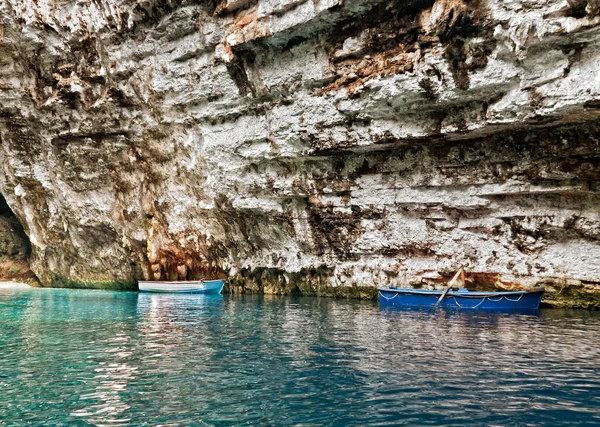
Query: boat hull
[519, 300]
[200, 286]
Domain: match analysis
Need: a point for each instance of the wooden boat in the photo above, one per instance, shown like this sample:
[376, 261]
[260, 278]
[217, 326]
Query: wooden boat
[461, 297]
[189, 286]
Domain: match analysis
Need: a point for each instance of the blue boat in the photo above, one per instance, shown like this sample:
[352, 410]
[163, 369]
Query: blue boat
[461, 298]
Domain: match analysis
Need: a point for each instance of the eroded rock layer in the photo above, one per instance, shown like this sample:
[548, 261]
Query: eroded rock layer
[322, 147]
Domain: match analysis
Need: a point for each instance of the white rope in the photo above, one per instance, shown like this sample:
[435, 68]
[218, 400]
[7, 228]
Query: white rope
[489, 299]
[506, 298]
[386, 298]
[460, 306]
[514, 300]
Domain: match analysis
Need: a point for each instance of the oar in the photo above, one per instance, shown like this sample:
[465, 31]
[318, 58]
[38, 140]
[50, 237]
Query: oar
[450, 283]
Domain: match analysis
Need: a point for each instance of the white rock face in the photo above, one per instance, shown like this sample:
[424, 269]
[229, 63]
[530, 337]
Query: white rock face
[287, 143]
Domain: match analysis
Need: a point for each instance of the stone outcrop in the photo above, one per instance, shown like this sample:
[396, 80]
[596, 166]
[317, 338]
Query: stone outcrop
[322, 146]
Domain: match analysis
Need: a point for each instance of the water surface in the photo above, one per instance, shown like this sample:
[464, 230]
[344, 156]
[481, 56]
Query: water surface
[95, 358]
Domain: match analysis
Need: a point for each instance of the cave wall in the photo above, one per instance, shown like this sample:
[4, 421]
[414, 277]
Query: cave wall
[314, 146]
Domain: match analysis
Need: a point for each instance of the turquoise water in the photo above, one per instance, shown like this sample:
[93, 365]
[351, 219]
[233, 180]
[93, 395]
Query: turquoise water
[99, 358]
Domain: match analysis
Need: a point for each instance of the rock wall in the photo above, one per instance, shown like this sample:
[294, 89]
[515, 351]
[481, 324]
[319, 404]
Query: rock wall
[322, 146]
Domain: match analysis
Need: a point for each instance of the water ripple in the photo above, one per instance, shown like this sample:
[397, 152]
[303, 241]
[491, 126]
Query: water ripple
[79, 358]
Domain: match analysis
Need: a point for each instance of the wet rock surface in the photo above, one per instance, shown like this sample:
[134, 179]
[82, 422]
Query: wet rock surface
[297, 146]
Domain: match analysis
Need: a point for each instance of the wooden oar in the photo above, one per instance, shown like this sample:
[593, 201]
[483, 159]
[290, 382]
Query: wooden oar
[450, 283]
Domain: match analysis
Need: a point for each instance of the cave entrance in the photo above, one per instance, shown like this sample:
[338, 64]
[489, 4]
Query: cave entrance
[15, 247]
[4, 208]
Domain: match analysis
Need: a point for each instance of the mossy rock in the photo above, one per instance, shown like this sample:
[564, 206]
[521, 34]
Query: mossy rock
[313, 282]
[573, 297]
[62, 282]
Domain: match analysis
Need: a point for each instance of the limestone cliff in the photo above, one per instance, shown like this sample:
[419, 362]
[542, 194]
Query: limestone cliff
[312, 145]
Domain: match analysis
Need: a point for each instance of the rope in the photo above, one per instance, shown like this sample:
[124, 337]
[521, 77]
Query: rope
[489, 299]
[386, 298]
[506, 298]
[460, 306]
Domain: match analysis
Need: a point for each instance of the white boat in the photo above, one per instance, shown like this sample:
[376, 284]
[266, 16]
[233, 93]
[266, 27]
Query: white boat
[188, 286]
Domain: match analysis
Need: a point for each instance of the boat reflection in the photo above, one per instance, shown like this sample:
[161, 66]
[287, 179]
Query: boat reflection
[107, 404]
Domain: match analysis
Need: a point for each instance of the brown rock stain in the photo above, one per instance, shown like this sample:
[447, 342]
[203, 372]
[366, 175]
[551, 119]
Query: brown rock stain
[398, 34]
